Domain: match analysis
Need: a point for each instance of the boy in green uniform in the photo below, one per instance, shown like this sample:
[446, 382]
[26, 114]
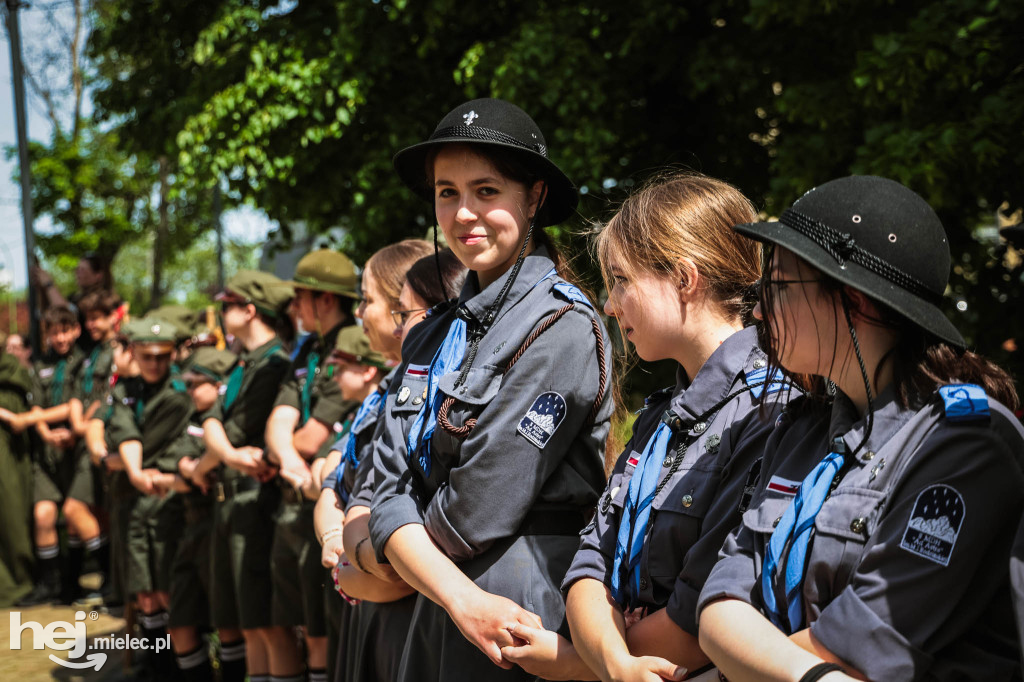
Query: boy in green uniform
[61, 480]
[190, 570]
[306, 420]
[254, 305]
[146, 416]
[15, 485]
[100, 309]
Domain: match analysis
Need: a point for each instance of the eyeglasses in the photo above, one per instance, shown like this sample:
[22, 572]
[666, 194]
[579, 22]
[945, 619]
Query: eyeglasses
[765, 282]
[400, 317]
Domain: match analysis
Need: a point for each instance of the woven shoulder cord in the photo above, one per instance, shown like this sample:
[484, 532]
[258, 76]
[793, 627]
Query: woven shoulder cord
[465, 429]
[478, 133]
[842, 247]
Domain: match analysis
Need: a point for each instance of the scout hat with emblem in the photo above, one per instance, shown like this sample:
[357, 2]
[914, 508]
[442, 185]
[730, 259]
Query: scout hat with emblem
[151, 336]
[353, 345]
[326, 270]
[211, 363]
[269, 294]
[184, 320]
[500, 124]
[877, 236]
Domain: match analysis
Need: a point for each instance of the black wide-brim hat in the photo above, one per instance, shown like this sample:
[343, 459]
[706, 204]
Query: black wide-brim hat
[493, 123]
[874, 235]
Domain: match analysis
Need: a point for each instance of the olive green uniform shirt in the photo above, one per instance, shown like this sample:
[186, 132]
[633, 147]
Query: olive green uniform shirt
[15, 487]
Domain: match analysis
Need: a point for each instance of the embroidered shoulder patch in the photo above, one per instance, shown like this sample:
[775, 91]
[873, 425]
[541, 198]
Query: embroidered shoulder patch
[543, 418]
[783, 486]
[46, 372]
[934, 524]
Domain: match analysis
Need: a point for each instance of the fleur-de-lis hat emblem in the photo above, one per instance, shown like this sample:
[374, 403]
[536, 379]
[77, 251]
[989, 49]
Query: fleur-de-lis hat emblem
[470, 117]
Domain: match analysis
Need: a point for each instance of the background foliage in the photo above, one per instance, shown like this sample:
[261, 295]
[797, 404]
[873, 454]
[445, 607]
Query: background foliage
[297, 107]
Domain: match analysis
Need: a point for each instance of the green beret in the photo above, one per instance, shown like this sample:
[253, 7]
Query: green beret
[215, 364]
[326, 270]
[354, 346]
[265, 291]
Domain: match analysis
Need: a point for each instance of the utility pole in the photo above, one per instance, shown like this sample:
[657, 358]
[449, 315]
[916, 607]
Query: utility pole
[24, 169]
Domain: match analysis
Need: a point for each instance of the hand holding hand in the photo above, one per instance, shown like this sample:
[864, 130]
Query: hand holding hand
[485, 619]
[545, 654]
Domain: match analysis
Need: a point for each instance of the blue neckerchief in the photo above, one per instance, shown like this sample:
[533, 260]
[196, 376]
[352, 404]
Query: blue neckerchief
[370, 408]
[789, 541]
[339, 475]
[447, 359]
[636, 513]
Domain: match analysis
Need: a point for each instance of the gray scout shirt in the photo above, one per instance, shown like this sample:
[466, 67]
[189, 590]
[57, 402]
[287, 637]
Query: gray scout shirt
[361, 488]
[701, 503]
[907, 571]
[514, 462]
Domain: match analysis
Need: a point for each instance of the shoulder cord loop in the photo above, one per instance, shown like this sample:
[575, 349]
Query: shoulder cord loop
[464, 430]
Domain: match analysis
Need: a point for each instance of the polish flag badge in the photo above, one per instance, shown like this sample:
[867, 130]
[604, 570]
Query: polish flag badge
[783, 486]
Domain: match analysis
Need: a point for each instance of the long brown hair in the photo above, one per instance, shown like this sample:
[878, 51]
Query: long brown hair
[390, 264]
[686, 216]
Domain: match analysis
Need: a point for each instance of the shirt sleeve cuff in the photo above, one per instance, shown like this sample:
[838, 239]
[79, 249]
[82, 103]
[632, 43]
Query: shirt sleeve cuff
[387, 517]
[876, 649]
[731, 578]
[445, 535]
[682, 607]
[588, 563]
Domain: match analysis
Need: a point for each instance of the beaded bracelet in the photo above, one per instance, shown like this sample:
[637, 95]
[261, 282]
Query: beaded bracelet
[330, 533]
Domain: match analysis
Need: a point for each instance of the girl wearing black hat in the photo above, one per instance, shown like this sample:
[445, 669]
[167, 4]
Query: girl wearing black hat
[878, 542]
[491, 450]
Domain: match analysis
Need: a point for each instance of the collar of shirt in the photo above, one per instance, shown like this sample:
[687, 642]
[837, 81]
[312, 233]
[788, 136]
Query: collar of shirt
[535, 265]
[254, 355]
[714, 379]
[889, 417]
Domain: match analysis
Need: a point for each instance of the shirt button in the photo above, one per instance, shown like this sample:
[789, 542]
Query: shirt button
[869, 455]
[643, 583]
[700, 427]
[687, 500]
[857, 525]
[758, 364]
[775, 523]
[605, 503]
[668, 461]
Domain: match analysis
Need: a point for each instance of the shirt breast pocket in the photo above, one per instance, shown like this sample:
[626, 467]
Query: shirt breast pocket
[408, 397]
[841, 529]
[679, 517]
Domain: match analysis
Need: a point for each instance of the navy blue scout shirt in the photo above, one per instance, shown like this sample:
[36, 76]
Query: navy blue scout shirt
[360, 489]
[696, 509]
[480, 489]
[907, 571]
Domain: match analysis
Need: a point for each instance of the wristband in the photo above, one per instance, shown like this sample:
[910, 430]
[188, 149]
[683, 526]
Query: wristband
[330, 533]
[819, 671]
[356, 557]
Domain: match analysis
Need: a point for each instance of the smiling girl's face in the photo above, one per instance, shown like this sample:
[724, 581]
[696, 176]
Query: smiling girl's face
[482, 213]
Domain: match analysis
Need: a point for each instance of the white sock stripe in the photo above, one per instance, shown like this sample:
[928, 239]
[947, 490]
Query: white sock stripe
[291, 678]
[74, 541]
[95, 543]
[233, 652]
[153, 621]
[259, 678]
[194, 659]
[50, 552]
[318, 676]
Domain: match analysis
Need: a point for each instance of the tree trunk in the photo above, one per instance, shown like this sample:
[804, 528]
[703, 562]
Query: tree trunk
[161, 237]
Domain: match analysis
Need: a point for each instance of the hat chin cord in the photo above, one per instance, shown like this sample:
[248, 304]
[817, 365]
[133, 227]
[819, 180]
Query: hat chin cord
[864, 375]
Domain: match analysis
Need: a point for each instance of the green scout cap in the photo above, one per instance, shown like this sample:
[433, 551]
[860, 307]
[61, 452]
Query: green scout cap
[185, 320]
[212, 363]
[151, 335]
[268, 293]
[326, 270]
[354, 346]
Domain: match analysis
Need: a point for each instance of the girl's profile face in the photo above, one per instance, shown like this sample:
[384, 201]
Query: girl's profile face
[409, 301]
[647, 307]
[375, 312]
[482, 213]
[803, 320]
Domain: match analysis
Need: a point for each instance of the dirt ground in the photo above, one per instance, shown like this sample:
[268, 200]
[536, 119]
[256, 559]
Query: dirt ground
[34, 665]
